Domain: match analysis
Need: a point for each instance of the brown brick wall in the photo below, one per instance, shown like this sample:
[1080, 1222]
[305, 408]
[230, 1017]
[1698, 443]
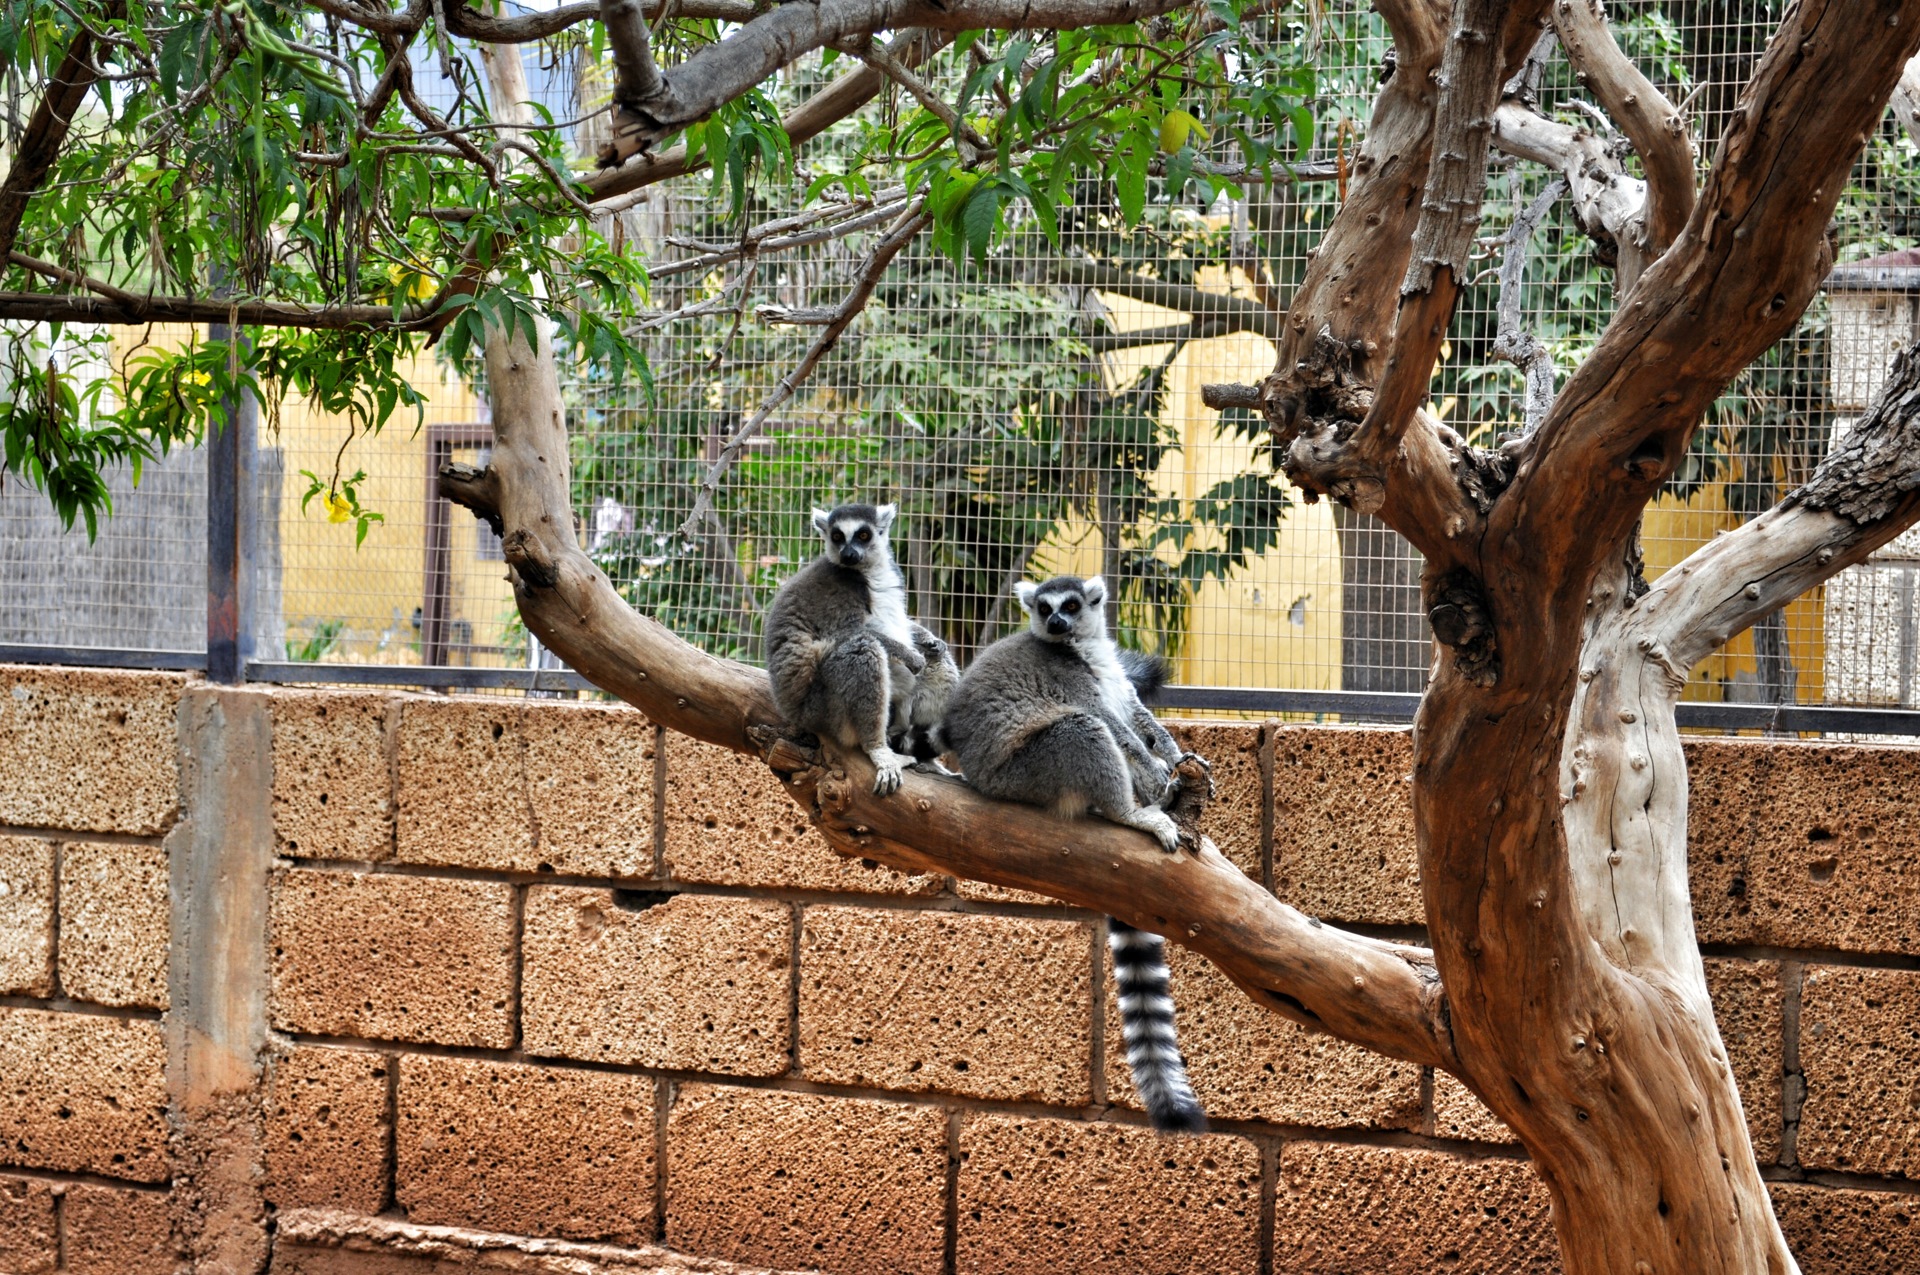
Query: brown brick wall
[506, 996]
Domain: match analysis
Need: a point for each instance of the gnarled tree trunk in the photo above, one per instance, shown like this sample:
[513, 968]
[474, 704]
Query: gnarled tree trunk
[1564, 986]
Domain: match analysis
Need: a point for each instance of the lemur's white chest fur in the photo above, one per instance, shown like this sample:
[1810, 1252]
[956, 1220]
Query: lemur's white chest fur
[1116, 691]
[887, 596]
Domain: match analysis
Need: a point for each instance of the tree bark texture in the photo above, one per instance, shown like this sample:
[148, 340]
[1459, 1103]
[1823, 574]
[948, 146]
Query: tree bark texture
[1565, 985]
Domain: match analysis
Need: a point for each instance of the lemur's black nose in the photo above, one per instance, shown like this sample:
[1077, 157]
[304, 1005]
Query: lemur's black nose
[851, 555]
[1058, 624]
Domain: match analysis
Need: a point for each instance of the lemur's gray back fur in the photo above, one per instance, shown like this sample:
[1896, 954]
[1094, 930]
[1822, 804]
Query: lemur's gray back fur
[845, 661]
[1052, 717]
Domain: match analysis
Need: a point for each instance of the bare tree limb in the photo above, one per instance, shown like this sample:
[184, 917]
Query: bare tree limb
[1906, 100]
[853, 218]
[965, 136]
[1248, 316]
[1512, 341]
[1641, 111]
[1608, 200]
[914, 221]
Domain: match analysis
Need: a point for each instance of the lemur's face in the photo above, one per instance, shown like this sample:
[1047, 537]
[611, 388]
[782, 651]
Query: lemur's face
[854, 534]
[1065, 607]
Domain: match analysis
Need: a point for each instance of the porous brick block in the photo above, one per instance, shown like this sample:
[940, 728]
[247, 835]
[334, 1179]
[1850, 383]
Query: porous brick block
[1054, 1197]
[990, 1006]
[29, 1244]
[528, 1150]
[1233, 817]
[1841, 1232]
[1860, 1054]
[114, 923]
[1457, 1113]
[1749, 1005]
[333, 755]
[590, 782]
[692, 983]
[326, 1129]
[461, 785]
[392, 957]
[1248, 1063]
[799, 1180]
[728, 822]
[26, 916]
[89, 750]
[118, 1232]
[1343, 842]
[81, 1093]
[1805, 845]
[1347, 1209]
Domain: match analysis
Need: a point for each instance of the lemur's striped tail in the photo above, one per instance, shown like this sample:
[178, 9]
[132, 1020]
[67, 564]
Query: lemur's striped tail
[1146, 1020]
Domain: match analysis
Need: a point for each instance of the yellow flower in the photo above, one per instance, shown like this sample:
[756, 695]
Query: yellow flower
[421, 285]
[200, 378]
[338, 510]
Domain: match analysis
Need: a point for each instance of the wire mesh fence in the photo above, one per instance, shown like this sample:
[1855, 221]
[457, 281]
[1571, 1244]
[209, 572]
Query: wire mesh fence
[1041, 413]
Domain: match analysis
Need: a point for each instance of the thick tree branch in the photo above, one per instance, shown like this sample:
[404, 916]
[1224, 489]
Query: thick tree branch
[134, 310]
[1641, 111]
[1381, 995]
[1418, 33]
[636, 80]
[717, 73]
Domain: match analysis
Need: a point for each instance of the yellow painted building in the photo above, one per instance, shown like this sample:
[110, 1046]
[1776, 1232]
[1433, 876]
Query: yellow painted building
[1277, 623]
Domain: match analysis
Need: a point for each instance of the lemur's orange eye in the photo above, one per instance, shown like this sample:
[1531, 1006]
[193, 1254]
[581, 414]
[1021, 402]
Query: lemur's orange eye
[1071, 608]
[863, 535]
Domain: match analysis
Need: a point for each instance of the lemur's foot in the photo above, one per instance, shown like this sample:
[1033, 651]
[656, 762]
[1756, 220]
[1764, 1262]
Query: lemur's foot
[1158, 823]
[932, 766]
[887, 766]
[1206, 768]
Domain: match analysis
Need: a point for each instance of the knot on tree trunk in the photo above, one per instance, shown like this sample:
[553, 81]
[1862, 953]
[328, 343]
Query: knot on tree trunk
[1313, 409]
[1483, 474]
[1461, 618]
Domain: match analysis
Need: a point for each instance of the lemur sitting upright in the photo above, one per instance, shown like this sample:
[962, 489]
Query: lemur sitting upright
[845, 661]
[1052, 717]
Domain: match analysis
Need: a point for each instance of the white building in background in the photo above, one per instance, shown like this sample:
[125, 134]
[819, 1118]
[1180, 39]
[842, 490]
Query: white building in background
[1873, 610]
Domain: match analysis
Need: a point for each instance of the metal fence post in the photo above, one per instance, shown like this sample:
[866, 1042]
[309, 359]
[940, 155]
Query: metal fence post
[223, 449]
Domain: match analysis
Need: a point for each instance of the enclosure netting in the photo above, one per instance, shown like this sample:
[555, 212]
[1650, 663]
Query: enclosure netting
[1041, 413]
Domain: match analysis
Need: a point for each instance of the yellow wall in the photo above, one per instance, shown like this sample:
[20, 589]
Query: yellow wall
[372, 591]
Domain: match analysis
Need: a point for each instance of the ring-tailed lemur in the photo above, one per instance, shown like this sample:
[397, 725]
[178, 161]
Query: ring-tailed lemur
[845, 661]
[1052, 717]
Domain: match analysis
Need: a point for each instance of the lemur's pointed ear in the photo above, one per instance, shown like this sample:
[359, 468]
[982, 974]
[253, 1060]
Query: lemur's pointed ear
[1096, 590]
[820, 519]
[883, 516]
[1025, 591]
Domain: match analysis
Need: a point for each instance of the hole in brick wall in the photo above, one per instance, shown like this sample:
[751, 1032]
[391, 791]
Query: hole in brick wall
[1822, 870]
[1819, 834]
[498, 730]
[639, 900]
